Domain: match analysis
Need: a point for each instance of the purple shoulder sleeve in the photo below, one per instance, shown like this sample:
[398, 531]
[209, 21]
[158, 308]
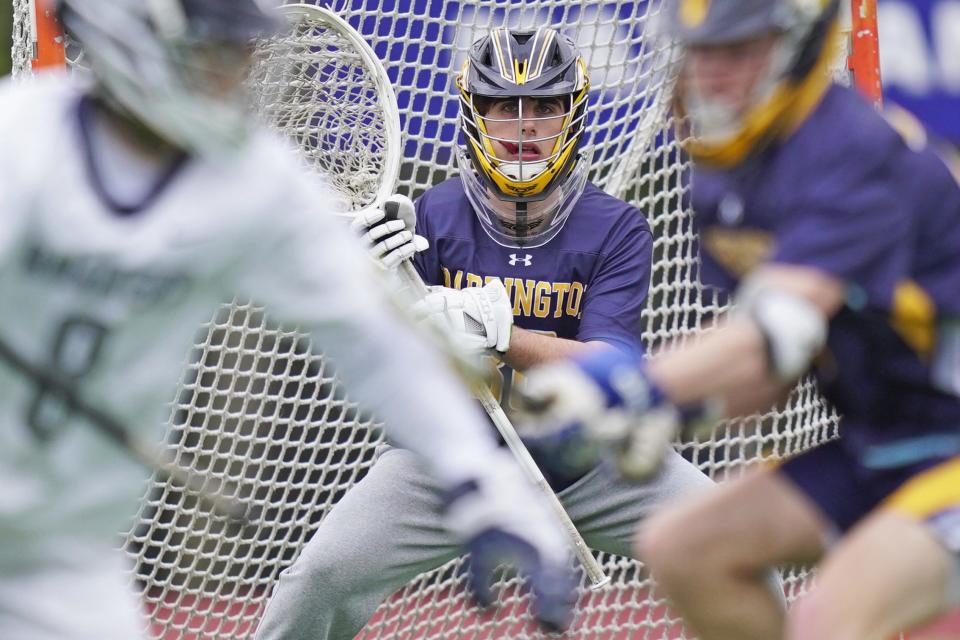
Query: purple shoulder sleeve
[615, 297]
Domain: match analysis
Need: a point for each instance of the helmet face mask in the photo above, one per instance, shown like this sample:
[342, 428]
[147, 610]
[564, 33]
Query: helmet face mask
[175, 66]
[523, 105]
[521, 224]
[521, 139]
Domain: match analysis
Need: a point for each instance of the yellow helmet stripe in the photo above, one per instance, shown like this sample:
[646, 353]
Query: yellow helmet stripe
[544, 47]
[575, 102]
[693, 12]
[520, 69]
[505, 68]
[527, 65]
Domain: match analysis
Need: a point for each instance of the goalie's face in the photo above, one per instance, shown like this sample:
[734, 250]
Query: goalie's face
[526, 129]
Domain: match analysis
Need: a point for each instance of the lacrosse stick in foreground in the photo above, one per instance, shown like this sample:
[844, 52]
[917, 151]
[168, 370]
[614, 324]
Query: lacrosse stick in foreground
[324, 88]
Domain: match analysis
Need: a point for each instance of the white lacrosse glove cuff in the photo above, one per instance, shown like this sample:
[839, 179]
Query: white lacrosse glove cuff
[481, 317]
[389, 231]
[794, 329]
[506, 499]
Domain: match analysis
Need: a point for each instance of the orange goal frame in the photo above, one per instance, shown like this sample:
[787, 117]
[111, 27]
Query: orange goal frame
[864, 59]
[46, 35]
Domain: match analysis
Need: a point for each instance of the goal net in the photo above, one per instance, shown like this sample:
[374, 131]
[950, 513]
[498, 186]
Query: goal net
[258, 409]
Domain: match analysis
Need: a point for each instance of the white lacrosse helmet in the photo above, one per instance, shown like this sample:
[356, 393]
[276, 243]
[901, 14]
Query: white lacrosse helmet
[177, 66]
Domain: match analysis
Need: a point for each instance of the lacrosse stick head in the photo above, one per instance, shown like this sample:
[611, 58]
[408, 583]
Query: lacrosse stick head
[321, 86]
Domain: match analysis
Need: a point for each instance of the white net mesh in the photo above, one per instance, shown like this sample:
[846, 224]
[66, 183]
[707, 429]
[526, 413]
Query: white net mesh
[258, 408]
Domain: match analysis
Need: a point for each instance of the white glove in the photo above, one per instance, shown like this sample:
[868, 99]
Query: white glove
[482, 317]
[390, 231]
[505, 520]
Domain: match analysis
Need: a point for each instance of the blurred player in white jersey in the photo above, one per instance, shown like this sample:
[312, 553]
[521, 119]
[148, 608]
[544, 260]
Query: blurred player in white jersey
[131, 205]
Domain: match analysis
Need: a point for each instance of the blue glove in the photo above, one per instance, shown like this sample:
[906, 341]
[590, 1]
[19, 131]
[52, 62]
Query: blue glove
[553, 588]
[504, 520]
[600, 405]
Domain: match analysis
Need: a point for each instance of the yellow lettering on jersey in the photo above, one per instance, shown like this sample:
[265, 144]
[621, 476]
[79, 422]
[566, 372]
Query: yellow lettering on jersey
[473, 280]
[530, 297]
[576, 297]
[457, 280]
[508, 285]
[913, 316]
[523, 300]
[561, 289]
[541, 301]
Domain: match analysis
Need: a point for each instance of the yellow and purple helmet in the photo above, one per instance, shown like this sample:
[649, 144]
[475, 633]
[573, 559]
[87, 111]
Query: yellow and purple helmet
[796, 77]
[522, 199]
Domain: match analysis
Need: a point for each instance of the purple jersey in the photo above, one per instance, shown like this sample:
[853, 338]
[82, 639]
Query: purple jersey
[847, 195]
[588, 283]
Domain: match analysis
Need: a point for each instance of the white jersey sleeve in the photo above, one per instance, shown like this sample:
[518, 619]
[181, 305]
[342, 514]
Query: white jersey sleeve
[313, 272]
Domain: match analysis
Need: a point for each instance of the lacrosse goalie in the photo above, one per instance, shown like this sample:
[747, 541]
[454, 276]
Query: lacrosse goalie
[530, 263]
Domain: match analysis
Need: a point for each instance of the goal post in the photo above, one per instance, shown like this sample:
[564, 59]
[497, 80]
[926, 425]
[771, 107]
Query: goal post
[865, 49]
[38, 41]
[258, 409]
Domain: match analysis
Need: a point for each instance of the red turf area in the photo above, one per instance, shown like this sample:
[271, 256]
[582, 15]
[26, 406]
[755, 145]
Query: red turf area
[947, 628]
[613, 618]
[610, 617]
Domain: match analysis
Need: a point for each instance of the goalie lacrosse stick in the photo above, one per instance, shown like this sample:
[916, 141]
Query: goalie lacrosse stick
[323, 87]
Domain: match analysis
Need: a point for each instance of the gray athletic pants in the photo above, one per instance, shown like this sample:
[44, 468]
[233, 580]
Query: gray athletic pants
[387, 530]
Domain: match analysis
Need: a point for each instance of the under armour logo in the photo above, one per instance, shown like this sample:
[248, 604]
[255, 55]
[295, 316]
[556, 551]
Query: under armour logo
[526, 260]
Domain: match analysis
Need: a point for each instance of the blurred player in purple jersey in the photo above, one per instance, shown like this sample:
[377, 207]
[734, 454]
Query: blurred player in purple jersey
[531, 263]
[842, 242]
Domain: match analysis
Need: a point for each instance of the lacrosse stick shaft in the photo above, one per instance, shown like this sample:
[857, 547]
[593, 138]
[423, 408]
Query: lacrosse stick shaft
[594, 571]
[110, 427]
